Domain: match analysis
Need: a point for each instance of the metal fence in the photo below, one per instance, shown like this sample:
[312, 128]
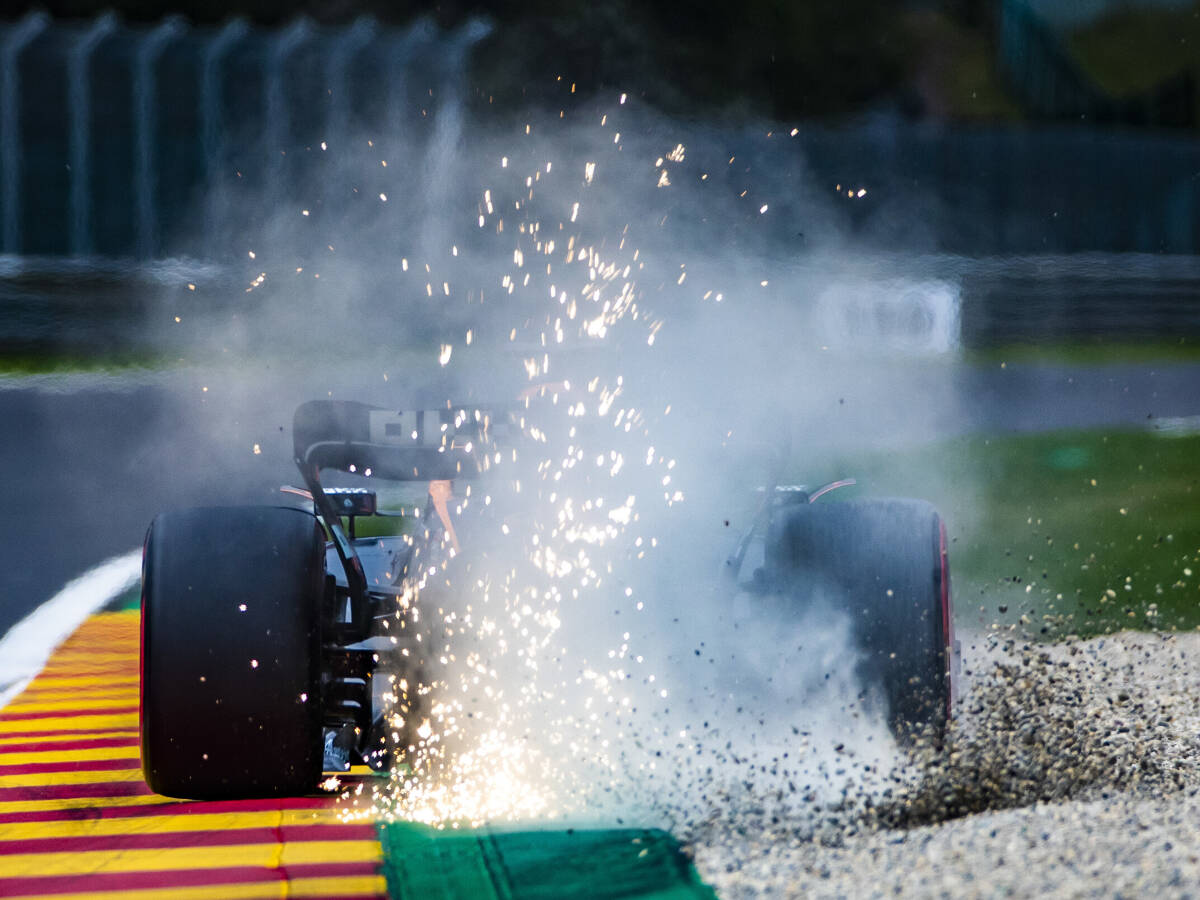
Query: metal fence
[140, 142]
[112, 136]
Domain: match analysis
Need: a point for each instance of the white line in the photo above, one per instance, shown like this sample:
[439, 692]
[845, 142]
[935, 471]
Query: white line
[29, 643]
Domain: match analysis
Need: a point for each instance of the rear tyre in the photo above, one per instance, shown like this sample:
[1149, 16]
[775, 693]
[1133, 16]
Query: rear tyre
[231, 602]
[884, 563]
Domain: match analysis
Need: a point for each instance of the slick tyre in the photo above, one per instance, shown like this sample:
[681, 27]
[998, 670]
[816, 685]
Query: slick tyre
[230, 691]
[884, 562]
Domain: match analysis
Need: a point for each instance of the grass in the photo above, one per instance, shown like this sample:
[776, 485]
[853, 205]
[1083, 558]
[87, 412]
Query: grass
[393, 363]
[1069, 531]
[18, 364]
[1066, 532]
[381, 526]
[385, 363]
[1089, 352]
[1080, 532]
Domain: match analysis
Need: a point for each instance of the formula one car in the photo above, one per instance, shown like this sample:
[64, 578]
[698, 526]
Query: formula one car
[264, 627]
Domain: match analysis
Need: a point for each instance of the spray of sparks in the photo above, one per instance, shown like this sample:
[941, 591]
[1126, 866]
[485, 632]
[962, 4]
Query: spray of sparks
[501, 713]
[523, 686]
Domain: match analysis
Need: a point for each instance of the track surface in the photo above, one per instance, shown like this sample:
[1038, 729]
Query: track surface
[90, 460]
[76, 818]
[78, 821]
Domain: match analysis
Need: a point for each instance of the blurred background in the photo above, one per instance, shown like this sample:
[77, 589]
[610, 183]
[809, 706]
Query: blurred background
[1004, 193]
[979, 128]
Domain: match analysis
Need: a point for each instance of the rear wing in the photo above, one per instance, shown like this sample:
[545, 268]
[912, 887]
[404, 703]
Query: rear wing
[424, 445]
[416, 445]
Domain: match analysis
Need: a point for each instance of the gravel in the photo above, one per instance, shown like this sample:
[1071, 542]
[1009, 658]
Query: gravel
[1072, 769]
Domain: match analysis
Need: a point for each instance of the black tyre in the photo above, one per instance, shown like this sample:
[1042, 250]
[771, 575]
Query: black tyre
[884, 562]
[230, 653]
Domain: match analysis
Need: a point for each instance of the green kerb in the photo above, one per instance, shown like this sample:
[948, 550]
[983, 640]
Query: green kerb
[131, 599]
[617, 864]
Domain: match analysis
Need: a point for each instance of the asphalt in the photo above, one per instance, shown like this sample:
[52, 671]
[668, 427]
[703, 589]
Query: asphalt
[87, 469]
[88, 460]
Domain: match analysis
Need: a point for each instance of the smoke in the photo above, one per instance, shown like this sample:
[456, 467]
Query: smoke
[690, 316]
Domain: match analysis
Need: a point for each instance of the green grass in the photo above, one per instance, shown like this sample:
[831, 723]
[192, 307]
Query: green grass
[392, 363]
[381, 526]
[42, 364]
[1065, 532]
[1089, 352]
[1083, 351]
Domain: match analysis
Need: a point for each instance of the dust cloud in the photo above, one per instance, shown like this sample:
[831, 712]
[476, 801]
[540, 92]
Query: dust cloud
[690, 315]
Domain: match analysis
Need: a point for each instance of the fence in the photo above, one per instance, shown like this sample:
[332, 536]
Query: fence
[120, 141]
[112, 136]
